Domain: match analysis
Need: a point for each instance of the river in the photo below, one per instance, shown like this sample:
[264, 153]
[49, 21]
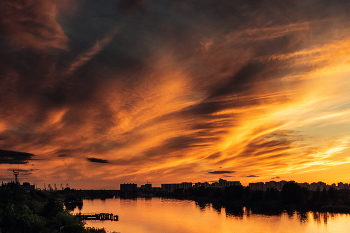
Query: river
[158, 215]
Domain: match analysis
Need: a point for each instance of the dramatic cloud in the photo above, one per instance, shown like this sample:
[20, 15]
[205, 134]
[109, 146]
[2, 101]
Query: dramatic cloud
[220, 172]
[252, 176]
[14, 157]
[95, 160]
[165, 91]
[31, 25]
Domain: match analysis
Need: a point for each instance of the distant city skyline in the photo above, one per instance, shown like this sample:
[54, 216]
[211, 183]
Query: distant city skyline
[221, 183]
[195, 184]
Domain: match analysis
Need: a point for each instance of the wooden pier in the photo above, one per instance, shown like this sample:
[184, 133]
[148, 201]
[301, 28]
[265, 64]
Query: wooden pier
[100, 216]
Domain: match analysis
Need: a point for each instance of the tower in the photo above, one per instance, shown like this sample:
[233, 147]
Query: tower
[16, 173]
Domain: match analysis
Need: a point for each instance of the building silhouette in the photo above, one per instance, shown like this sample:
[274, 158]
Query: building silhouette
[128, 187]
[319, 186]
[146, 187]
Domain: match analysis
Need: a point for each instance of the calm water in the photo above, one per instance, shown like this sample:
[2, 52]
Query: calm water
[170, 216]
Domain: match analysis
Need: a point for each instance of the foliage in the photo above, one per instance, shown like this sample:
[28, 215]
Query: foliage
[292, 194]
[291, 198]
[35, 212]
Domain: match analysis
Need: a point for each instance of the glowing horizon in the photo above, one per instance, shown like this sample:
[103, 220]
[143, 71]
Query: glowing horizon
[100, 94]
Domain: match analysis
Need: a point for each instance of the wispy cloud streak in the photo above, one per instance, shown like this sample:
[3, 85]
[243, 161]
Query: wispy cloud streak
[181, 89]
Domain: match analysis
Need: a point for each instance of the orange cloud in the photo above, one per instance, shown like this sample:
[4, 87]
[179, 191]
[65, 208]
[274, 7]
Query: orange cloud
[32, 25]
[173, 94]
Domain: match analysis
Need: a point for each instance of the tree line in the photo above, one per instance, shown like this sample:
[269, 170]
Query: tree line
[292, 197]
[36, 212]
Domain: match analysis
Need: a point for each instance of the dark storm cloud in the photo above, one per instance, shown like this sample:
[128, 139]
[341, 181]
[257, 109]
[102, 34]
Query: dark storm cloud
[14, 157]
[221, 172]
[96, 160]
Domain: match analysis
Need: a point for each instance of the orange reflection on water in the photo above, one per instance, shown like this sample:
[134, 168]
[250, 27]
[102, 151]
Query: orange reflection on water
[167, 215]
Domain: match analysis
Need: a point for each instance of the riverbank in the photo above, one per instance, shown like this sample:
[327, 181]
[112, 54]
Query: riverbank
[291, 198]
[36, 212]
[271, 201]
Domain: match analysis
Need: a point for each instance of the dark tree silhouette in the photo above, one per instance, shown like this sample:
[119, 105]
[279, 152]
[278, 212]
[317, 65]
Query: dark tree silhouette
[292, 194]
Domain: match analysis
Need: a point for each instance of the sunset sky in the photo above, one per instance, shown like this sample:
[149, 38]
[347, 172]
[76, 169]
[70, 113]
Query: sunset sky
[98, 93]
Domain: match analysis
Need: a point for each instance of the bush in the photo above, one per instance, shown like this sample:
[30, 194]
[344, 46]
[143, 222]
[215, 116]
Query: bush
[21, 212]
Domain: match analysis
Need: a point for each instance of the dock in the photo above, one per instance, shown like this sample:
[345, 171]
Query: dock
[100, 216]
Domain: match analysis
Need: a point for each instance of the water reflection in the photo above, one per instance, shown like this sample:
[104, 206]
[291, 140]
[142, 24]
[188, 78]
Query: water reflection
[202, 205]
[71, 202]
[168, 215]
[217, 207]
[303, 216]
[322, 217]
[234, 210]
